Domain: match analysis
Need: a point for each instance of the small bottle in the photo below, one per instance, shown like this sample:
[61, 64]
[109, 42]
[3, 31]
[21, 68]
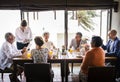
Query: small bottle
[58, 53]
[63, 50]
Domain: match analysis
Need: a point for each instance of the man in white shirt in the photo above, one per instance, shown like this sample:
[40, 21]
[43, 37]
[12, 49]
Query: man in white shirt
[23, 35]
[7, 52]
[47, 44]
[77, 43]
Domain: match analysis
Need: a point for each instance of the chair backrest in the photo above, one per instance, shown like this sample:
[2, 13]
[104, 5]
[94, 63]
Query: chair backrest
[101, 74]
[37, 72]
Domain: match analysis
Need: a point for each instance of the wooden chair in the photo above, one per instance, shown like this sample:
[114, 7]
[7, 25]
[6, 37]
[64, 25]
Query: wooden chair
[38, 72]
[5, 71]
[101, 74]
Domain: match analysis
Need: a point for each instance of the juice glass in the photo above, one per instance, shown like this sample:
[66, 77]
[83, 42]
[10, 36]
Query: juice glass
[71, 51]
[28, 55]
[51, 53]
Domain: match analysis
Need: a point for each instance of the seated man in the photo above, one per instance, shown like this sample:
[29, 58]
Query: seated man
[77, 42]
[47, 44]
[8, 51]
[113, 48]
[94, 57]
[113, 45]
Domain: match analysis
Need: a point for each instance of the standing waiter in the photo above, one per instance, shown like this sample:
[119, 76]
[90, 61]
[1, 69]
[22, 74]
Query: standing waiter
[23, 35]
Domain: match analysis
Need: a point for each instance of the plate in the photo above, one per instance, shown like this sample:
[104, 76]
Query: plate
[79, 56]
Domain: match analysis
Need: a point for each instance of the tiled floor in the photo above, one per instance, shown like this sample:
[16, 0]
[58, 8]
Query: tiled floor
[73, 77]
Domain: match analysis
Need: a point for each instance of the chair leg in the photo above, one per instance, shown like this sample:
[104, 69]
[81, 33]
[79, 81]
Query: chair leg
[71, 67]
[80, 80]
[51, 80]
[2, 76]
[21, 76]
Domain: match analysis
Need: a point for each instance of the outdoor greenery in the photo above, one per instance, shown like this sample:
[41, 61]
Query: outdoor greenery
[85, 18]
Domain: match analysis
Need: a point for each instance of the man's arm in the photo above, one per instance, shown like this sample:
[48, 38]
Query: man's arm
[71, 44]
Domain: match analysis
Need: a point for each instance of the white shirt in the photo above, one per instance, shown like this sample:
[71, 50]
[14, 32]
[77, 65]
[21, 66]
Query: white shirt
[74, 43]
[111, 45]
[49, 45]
[7, 52]
[21, 36]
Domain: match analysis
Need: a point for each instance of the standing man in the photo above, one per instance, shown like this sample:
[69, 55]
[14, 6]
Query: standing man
[7, 52]
[23, 35]
[113, 48]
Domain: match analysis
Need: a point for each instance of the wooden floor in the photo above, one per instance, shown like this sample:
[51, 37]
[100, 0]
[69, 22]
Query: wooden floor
[73, 77]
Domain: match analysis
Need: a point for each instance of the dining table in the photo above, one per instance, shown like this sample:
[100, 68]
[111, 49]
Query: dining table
[64, 63]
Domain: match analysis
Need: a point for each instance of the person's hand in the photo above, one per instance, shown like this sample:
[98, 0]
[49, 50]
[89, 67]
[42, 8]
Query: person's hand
[27, 40]
[78, 49]
[24, 49]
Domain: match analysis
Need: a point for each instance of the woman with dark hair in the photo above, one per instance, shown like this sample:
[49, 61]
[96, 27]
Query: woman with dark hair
[23, 35]
[39, 55]
[94, 57]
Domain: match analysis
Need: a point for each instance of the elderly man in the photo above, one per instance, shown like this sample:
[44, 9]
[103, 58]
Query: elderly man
[47, 44]
[113, 48]
[8, 51]
[113, 45]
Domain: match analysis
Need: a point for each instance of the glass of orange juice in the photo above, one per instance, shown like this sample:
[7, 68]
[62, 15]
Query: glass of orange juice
[28, 55]
[50, 53]
[71, 51]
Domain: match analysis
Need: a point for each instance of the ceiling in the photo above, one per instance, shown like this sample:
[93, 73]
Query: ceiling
[55, 4]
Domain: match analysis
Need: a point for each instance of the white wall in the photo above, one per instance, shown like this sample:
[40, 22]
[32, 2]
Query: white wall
[116, 20]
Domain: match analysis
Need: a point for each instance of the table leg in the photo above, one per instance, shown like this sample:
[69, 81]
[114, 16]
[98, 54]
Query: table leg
[62, 72]
[72, 67]
[66, 71]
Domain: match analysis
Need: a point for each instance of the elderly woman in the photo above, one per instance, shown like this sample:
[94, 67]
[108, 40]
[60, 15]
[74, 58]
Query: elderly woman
[94, 57]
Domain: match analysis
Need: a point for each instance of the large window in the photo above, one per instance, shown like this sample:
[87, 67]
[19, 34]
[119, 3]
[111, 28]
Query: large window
[9, 21]
[88, 22]
[55, 23]
[47, 21]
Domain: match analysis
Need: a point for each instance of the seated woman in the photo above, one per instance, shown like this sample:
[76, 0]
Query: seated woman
[39, 55]
[94, 57]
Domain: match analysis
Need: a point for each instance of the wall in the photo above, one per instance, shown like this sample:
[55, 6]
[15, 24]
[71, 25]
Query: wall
[116, 20]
